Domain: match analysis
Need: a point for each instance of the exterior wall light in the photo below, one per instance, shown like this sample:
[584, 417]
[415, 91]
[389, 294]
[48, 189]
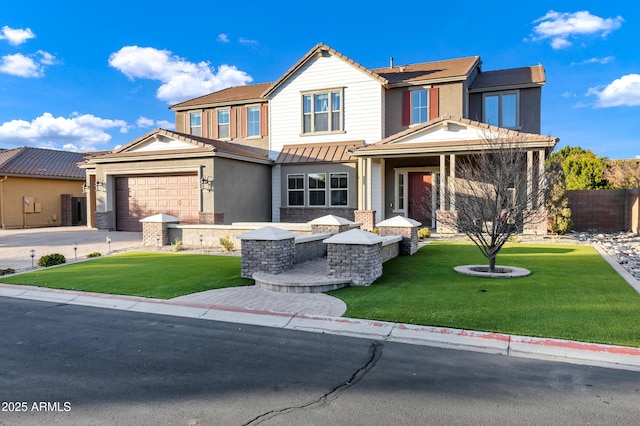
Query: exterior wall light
[206, 184]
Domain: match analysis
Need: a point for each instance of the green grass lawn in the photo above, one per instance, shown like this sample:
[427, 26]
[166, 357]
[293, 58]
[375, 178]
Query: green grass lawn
[157, 275]
[572, 293]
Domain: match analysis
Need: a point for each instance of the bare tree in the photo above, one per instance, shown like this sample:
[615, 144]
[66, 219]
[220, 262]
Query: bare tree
[493, 196]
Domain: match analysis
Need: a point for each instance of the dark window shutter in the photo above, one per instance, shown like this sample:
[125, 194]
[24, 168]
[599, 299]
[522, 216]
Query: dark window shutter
[263, 120]
[434, 103]
[406, 108]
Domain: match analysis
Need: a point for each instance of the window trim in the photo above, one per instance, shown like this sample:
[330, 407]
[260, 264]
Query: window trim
[192, 115]
[330, 111]
[332, 190]
[316, 190]
[259, 122]
[228, 123]
[412, 121]
[500, 96]
[303, 189]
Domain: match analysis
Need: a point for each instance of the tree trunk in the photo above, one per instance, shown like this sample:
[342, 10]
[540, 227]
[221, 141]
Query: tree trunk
[492, 264]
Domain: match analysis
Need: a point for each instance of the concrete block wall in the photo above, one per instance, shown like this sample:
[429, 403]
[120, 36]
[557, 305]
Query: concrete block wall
[360, 263]
[409, 243]
[367, 218]
[603, 210]
[270, 256]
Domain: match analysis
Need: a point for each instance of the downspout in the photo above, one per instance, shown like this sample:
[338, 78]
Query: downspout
[2, 201]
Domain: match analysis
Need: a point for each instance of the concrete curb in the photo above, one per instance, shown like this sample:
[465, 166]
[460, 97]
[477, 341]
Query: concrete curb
[609, 356]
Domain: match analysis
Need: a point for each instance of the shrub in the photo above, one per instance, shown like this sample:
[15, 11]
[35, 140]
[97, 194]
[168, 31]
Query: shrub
[7, 271]
[227, 244]
[424, 233]
[52, 259]
[94, 254]
[375, 231]
[177, 246]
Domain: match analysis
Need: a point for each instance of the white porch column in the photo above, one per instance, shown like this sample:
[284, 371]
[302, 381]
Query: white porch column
[529, 179]
[360, 184]
[368, 178]
[443, 179]
[452, 180]
[542, 179]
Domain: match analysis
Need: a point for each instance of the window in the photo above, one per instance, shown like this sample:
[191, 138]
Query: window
[295, 190]
[196, 123]
[400, 191]
[501, 109]
[253, 122]
[339, 189]
[223, 124]
[317, 189]
[322, 112]
[419, 106]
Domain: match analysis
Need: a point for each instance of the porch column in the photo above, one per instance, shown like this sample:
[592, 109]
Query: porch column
[543, 179]
[360, 184]
[452, 180]
[443, 179]
[529, 179]
[368, 204]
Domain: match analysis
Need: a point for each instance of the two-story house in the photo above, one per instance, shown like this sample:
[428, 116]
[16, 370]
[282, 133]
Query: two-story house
[329, 136]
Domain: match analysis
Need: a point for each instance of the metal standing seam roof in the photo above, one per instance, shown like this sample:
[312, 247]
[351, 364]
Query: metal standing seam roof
[331, 152]
[42, 163]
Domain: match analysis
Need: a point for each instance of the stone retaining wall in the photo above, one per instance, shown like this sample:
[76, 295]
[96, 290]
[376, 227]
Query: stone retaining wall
[310, 247]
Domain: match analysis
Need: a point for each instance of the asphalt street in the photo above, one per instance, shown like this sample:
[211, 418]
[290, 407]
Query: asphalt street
[69, 364]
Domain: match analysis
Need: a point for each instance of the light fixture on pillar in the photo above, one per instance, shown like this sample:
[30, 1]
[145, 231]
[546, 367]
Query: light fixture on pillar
[206, 184]
[86, 188]
[101, 185]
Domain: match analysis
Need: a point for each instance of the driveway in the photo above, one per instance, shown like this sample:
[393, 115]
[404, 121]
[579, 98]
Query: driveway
[15, 244]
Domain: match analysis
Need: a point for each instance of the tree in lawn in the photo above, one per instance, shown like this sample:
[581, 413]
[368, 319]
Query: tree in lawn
[493, 198]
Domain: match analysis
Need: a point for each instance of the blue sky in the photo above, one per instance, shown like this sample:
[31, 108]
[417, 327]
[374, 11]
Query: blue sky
[93, 76]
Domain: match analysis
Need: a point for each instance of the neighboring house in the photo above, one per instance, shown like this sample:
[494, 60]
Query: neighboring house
[365, 144]
[41, 187]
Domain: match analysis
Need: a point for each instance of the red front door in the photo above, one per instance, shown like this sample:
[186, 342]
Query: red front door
[420, 197]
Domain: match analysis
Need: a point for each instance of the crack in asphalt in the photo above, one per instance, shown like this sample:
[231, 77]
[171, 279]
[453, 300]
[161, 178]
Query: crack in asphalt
[375, 352]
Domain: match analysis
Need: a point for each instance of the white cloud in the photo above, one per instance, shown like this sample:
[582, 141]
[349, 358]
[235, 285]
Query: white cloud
[84, 131]
[246, 41]
[624, 91]
[181, 79]
[144, 122]
[26, 66]
[223, 38]
[561, 27]
[164, 124]
[602, 61]
[16, 36]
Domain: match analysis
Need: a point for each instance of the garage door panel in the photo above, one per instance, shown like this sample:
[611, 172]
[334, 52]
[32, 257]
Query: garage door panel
[138, 197]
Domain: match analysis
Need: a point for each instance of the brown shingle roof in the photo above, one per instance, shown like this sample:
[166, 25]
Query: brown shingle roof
[330, 152]
[231, 94]
[510, 77]
[199, 145]
[38, 162]
[439, 70]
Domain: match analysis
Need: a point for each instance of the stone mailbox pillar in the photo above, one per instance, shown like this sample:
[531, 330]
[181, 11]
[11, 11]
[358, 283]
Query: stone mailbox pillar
[156, 226]
[330, 224]
[267, 249]
[355, 254]
[406, 228]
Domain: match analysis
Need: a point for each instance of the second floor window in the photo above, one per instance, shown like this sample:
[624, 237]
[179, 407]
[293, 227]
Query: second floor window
[501, 109]
[322, 112]
[196, 123]
[253, 122]
[419, 106]
[223, 124]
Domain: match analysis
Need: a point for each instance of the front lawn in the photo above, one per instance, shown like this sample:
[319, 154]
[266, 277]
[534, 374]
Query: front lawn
[147, 274]
[572, 294]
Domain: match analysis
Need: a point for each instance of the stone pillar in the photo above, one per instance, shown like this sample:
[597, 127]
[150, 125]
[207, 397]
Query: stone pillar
[157, 226]
[406, 228]
[536, 223]
[367, 218]
[267, 249]
[207, 218]
[330, 224]
[356, 255]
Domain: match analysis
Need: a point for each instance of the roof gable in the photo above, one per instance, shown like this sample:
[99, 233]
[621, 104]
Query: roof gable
[321, 49]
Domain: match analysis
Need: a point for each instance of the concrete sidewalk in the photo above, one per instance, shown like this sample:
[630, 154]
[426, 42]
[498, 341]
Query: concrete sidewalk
[620, 357]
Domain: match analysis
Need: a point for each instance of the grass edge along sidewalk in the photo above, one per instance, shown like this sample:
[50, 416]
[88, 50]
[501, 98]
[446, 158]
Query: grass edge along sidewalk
[572, 293]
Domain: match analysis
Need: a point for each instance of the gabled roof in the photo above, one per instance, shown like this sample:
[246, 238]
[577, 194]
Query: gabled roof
[41, 163]
[513, 77]
[248, 93]
[321, 49]
[405, 142]
[450, 69]
[332, 152]
[198, 145]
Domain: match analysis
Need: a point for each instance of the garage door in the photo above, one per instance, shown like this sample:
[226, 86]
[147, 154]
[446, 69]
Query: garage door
[138, 197]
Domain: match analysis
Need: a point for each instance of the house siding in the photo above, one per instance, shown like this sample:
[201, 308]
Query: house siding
[362, 100]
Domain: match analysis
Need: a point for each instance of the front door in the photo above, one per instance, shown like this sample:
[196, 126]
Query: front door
[420, 197]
